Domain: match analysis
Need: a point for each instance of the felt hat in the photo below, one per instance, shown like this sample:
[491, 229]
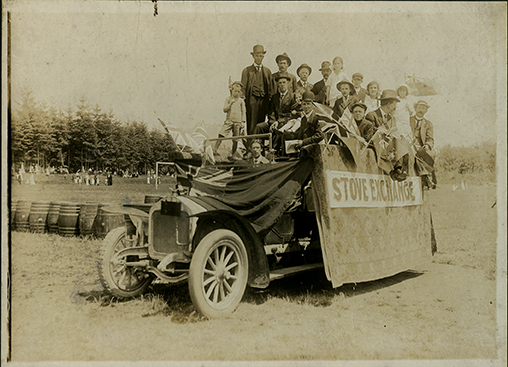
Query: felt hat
[258, 48]
[282, 76]
[283, 56]
[389, 94]
[325, 65]
[355, 75]
[308, 96]
[303, 66]
[359, 104]
[345, 81]
[421, 102]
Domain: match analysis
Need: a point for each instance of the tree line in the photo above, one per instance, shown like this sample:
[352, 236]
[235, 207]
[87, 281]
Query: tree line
[83, 136]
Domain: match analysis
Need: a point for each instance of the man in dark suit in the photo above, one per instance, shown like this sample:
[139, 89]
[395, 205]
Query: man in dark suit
[304, 72]
[423, 132]
[284, 62]
[320, 90]
[383, 116]
[358, 92]
[282, 107]
[259, 87]
[311, 129]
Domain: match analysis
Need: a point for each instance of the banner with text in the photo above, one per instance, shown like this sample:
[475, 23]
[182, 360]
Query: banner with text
[353, 190]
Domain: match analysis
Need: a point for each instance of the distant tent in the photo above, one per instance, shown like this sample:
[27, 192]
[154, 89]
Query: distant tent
[419, 86]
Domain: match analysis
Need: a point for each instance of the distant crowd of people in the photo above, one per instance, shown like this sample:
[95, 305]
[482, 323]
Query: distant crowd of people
[284, 104]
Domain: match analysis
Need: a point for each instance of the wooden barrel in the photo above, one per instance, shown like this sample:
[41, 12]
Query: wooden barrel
[14, 206]
[153, 198]
[53, 213]
[87, 216]
[68, 219]
[107, 221]
[22, 215]
[39, 216]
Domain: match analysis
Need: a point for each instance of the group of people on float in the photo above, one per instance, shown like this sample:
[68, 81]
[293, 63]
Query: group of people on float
[288, 102]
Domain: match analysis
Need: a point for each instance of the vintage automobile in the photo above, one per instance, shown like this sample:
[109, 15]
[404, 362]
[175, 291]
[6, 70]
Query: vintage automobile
[233, 225]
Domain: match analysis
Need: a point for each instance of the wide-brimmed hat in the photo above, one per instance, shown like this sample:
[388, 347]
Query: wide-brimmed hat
[345, 81]
[258, 48]
[308, 96]
[282, 76]
[357, 75]
[389, 94]
[283, 56]
[303, 66]
[325, 65]
[421, 102]
[359, 104]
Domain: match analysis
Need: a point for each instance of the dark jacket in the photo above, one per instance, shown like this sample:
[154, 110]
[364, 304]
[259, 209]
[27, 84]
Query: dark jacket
[319, 90]
[281, 109]
[425, 134]
[376, 117]
[248, 78]
[366, 129]
[340, 106]
[361, 95]
[310, 131]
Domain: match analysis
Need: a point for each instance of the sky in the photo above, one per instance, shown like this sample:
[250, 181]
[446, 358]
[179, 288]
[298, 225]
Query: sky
[176, 66]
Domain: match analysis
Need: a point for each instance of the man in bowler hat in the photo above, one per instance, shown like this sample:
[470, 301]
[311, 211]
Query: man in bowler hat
[320, 89]
[259, 87]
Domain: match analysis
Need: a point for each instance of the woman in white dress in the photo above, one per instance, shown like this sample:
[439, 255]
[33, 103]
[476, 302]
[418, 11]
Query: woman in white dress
[403, 112]
[372, 98]
[336, 76]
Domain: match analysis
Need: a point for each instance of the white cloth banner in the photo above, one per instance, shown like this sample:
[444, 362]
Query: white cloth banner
[354, 190]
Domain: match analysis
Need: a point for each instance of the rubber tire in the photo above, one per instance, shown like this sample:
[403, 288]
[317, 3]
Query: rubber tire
[106, 269]
[205, 305]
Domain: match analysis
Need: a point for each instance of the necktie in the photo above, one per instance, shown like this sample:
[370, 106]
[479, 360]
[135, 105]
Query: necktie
[258, 68]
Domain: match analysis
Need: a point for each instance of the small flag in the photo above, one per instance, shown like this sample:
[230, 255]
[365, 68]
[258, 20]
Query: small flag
[347, 120]
[419, 86]
[200, 133]
[209, 154]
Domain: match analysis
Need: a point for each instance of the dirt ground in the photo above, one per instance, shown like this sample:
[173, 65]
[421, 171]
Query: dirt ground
[442, 310]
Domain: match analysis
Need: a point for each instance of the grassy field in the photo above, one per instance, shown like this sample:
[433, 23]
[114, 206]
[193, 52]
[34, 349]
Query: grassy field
[442, 310]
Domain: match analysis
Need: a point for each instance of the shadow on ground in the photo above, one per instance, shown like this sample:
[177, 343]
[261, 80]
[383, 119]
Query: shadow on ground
[313, 288]
[310, 288]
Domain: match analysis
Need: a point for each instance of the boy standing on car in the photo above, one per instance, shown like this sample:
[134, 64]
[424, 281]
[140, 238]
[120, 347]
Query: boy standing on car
[234, 107]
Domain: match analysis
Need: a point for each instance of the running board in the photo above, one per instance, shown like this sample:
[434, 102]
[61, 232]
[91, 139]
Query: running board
[284, 272]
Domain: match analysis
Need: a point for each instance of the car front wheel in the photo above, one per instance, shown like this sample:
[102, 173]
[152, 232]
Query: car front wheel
[218, 273]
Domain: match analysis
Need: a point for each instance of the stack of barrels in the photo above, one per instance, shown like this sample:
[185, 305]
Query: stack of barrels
[64, 218]
[68, 218]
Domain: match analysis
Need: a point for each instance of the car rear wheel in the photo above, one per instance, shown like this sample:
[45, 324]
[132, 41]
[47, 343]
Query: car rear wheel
[218, 273]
